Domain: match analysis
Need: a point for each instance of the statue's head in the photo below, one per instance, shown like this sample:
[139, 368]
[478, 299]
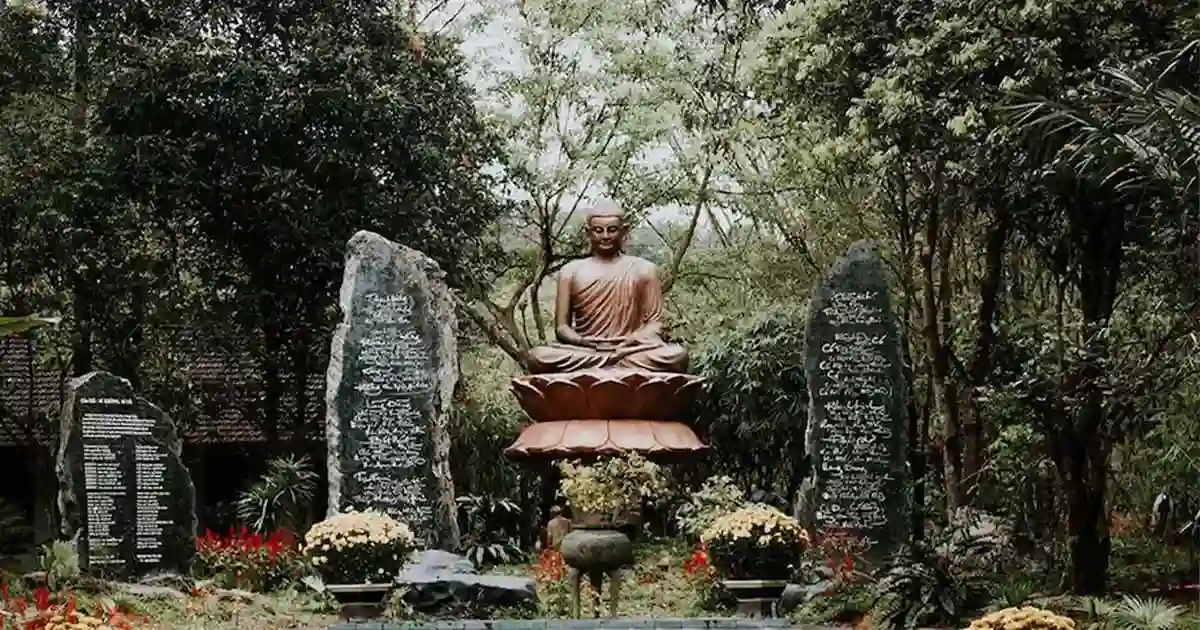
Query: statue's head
[606, 228]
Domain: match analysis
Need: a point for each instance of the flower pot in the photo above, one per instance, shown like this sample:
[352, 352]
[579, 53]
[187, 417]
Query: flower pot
[592, 550]
[755, 598]
[360, 601]
[589, 520]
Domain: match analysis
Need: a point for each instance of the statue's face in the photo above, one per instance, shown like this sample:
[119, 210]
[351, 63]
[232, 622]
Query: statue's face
[606, 234]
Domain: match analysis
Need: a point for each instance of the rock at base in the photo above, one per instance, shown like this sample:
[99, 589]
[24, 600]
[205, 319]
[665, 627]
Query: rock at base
[125, 495]
[393, 369]
[438, 581]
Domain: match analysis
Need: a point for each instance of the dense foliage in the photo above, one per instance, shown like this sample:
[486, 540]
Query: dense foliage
[181, 174]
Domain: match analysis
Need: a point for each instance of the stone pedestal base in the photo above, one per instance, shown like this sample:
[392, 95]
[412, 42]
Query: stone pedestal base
[756, 598]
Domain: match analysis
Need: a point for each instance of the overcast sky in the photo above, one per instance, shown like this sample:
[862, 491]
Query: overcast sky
[491, 43]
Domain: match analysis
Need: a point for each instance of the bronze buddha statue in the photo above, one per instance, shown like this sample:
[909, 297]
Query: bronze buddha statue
[608, 310]
[610, 383]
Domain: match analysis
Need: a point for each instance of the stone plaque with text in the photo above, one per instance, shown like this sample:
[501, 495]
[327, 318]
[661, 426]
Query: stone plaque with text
[856, 440]
[125, 495]
[392, 373]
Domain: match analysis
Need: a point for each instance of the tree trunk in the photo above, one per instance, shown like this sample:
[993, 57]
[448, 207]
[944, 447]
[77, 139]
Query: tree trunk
[944, 391]
[985, 340]
[1086, 513]
[1097, 224]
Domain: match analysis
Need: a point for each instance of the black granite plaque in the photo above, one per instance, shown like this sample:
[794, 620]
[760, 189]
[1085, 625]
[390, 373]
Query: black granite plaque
[392, 373]
[125, 495]
[856, 439]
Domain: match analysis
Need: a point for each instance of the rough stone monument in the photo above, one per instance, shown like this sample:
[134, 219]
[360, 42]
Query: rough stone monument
[856, 440]
[392, 372]
[125, 495]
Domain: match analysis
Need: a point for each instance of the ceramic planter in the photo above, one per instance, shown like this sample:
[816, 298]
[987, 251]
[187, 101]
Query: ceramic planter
[589, 520]
[360, 601]
[591, 550]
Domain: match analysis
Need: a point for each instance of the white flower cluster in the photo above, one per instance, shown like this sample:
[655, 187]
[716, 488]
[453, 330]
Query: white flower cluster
[343, 531]
[776, 527]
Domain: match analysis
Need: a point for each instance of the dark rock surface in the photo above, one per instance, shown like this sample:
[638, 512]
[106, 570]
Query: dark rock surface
[125, 495]
[393, 369]
[439, 581]
[856, 439]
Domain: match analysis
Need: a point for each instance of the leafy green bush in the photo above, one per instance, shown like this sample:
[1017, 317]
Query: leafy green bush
[1131, 613]
[60, 562]
[279, 499]
[718, 495]
[485, 540]
[932, 583]
[486, 420]
[754, 412]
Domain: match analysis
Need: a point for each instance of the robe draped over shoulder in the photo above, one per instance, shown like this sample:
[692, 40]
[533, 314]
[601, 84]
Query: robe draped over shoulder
[611, 300]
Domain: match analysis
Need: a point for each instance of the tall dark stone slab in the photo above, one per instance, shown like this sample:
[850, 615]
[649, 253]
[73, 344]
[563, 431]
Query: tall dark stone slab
[125, 495]
[392, 373]
[856, 440]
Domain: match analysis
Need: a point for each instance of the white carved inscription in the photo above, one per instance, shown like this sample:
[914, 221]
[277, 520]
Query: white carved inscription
[392, 355]
[389, 464]
[111, 496]
[857, 431]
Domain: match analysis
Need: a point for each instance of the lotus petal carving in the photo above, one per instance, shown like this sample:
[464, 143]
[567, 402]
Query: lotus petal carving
[607, 395]
[570, 438]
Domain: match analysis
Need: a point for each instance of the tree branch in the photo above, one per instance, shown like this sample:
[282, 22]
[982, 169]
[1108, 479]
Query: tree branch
[491, 330]
[690, 234]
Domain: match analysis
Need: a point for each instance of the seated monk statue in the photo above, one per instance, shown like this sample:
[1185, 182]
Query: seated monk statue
[608, 309]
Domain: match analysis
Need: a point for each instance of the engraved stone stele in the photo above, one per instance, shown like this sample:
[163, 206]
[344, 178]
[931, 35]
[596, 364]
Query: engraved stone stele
[125, 495]
[856, 439]
[610, 382]
[393, 369]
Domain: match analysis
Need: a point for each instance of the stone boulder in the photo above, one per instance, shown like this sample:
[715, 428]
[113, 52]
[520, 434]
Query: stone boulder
[439, 580]
[143, 591]
[393, 369]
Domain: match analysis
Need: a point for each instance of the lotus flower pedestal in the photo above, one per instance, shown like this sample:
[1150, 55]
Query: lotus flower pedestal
[606, 412]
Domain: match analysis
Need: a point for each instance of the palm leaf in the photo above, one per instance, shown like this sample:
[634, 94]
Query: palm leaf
[17, 325]
[1128, 130]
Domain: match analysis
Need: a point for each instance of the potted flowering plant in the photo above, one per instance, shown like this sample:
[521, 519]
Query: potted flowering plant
[754, 550]
[609, 493]
[605, 496]
[358, 555]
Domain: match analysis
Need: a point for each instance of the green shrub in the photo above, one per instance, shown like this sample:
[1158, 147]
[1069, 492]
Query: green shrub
[717, 496]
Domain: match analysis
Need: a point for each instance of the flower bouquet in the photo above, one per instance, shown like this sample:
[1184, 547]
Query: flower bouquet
[610, 492]
[756, 542]
[359, 548]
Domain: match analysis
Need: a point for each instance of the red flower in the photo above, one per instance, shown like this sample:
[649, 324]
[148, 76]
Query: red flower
[550, 566]
[41, 598]
[697, 561]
